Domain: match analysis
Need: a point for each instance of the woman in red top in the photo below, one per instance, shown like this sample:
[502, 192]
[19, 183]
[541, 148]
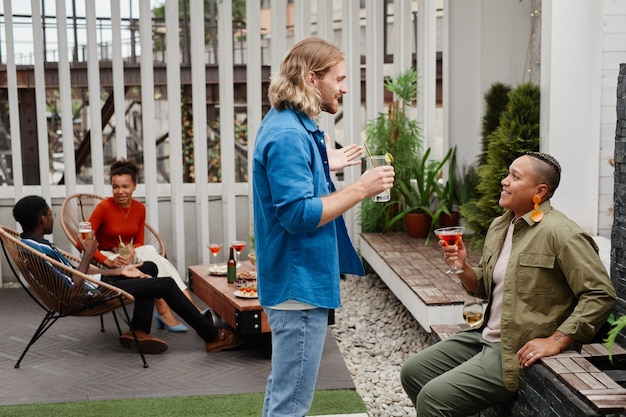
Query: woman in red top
[121, 218]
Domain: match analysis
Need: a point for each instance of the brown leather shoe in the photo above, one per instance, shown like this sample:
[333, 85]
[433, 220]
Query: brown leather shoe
[225, 340]
[149, 345]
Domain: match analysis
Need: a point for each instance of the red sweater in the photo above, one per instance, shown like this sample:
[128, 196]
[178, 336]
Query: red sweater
[109, 221]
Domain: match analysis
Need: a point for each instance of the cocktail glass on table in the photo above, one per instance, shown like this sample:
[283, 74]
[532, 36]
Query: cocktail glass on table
[238, 245]
[451, 236]
[215, 248]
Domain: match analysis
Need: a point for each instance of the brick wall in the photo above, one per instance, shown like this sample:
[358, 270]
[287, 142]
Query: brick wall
[618, 234]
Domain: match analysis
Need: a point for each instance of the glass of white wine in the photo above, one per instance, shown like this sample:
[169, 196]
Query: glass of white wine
[473, 312]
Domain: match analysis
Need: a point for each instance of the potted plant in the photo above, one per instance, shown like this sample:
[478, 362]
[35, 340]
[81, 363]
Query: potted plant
[418, 192]
[465, 183]
[394, 132]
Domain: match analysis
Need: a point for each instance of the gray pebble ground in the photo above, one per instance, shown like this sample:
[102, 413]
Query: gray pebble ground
[376, 334]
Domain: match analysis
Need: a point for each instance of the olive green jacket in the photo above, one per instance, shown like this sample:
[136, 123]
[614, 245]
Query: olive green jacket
[554, 280]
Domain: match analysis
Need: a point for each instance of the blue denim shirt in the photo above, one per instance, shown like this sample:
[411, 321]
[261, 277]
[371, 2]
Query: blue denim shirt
[296, 259]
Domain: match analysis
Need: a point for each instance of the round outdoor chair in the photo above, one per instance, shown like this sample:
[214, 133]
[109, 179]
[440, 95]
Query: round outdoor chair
[77, 208]
[52, 285]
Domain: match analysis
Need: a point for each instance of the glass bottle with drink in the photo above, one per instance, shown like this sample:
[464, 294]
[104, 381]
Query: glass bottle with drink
[232, 267]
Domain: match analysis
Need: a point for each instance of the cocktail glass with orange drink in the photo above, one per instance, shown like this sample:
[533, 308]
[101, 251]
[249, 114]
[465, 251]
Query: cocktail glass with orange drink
[238, 245]
[215, 248]
[451, 237]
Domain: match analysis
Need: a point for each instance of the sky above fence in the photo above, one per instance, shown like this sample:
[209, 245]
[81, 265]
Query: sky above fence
[23, 31]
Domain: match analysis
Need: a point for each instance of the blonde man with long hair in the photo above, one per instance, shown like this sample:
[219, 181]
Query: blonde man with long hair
[301, 239]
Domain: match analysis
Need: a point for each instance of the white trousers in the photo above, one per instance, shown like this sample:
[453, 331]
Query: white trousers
[149, 253]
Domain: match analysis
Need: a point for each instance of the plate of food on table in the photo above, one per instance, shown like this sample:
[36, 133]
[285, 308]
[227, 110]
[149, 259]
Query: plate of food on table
[220, 270]
[247, 289]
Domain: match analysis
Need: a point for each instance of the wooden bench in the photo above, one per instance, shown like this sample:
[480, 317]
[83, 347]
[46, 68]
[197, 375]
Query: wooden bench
[415, 273]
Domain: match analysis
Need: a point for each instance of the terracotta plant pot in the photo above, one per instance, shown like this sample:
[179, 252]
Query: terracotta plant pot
[418, 224]
[448, 220]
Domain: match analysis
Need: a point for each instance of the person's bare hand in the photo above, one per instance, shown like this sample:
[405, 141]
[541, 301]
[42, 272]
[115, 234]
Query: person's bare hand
[535, 349]
[119, 262]
[454, 255]
[132, 271]
[89, 245]
[349, 155]
[377, 180]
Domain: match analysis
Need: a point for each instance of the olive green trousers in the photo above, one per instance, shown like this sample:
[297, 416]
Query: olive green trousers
[455, 377]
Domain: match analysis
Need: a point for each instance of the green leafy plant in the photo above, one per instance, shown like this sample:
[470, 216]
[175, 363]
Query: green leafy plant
[465, 182]
[446, 191]
[517, 133]
[617, 325]
[421, 187]
[396, 133]
[496, 99]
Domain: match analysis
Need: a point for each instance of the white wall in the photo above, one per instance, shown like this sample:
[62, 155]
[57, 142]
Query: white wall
[570, 103]
[613, 54]
[485, 41]
[578, 92]
[582, 44]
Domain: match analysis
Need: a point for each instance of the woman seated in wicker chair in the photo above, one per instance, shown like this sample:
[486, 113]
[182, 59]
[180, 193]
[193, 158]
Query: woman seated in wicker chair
[121, 219]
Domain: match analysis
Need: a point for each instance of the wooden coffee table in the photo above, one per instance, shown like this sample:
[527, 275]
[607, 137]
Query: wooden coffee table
[245, 315]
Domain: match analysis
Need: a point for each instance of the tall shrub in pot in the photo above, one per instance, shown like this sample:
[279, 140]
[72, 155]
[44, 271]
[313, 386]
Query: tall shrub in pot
[395, 132]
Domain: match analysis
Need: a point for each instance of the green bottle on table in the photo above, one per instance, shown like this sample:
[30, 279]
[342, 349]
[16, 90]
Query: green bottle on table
[232, 267]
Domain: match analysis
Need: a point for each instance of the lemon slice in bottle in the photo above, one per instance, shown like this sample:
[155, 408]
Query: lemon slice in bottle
[389, 158]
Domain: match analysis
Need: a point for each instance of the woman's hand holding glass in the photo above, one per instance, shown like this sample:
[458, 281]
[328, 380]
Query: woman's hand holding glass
[454, 255]
[125, 255]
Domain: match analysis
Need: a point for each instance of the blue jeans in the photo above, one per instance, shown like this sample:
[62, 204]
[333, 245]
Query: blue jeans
[298, 338]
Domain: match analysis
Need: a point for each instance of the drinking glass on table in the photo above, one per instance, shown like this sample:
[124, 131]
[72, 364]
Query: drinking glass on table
[473, 311]
[451, 236]
[238, 245]
[85, 230]
[215, 248]
[379, 161]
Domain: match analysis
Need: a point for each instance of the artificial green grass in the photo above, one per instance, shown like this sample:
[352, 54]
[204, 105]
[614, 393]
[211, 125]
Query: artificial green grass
[232, 405]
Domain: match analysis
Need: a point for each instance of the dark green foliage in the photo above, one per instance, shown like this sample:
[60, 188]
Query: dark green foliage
[517, 133]
[496, 99]
[465, 183]
[393, 131]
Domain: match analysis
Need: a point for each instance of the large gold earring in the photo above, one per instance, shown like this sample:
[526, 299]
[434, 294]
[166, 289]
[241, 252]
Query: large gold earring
[537, 214]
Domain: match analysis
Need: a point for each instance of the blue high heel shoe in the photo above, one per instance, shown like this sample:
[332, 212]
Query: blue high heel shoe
[162, 325]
